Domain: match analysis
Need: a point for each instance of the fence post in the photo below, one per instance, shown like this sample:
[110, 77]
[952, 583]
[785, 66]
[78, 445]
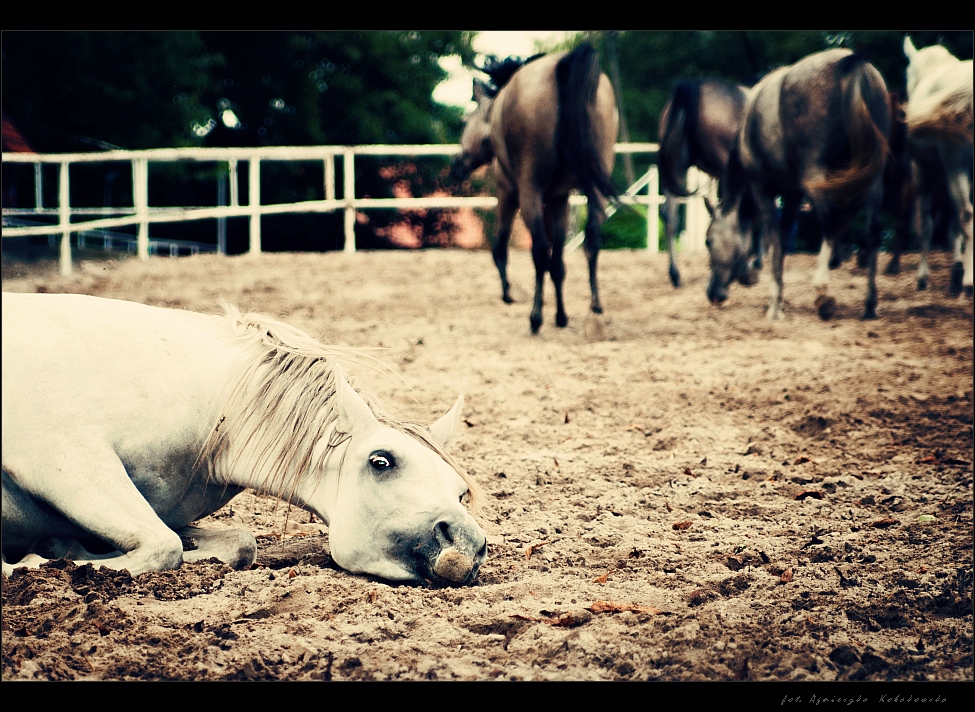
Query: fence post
[330, 177]
[64, 220]
[696, 213]
[348, 182]
[234, 184]
[653, 210]
[140, 193]
[254, 195]
[38, 188]
[222, 221]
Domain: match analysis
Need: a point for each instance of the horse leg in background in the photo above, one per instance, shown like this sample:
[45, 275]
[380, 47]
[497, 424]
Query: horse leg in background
[872, 247]
[507, 207]
[533, 212]
[593, 243]
[923, 226]
[236, 547]
[670, 212]
[556, 223]
[906, 209]
[101, 500]
[755, 264]
[772, 232]
[957, 167]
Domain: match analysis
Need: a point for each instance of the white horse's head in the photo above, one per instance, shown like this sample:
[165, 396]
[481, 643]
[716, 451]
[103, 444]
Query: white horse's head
[476, 148]
[393, 504]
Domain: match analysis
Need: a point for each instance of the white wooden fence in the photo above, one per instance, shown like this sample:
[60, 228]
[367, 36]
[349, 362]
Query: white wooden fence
[142, 215]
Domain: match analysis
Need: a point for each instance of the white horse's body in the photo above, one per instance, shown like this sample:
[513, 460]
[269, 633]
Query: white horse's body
[939, 125]
[123, 424]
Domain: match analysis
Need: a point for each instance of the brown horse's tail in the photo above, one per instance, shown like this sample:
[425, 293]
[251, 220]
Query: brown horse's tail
[681, 117]
[866, 117]
[577, 75]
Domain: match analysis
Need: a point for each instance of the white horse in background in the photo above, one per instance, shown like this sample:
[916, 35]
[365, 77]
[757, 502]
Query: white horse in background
[123, 424]
[939, 129]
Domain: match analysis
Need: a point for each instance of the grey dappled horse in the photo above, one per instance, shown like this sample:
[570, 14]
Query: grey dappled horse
[816, 129]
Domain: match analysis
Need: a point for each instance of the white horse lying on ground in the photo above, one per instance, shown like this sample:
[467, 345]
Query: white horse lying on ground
[124, 423]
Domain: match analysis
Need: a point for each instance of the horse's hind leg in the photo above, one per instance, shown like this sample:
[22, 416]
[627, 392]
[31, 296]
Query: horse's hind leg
[236, 547]
[593, 242]
[556, 218]
[923, 226]
[872, 247]
[670, 211]
[960, 189]
[507, 206]
[533, 213]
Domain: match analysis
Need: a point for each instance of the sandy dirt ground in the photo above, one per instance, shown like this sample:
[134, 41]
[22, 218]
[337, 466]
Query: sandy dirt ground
[674, 492]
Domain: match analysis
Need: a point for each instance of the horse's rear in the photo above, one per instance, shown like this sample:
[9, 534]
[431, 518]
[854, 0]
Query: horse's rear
[553, 127]
[939, 121]
[103, 400]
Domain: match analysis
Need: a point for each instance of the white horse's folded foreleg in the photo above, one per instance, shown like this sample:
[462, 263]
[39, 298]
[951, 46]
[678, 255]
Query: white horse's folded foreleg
[83, 479]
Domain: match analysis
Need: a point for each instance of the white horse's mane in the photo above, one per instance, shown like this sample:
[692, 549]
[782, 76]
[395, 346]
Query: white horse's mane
[279, 404]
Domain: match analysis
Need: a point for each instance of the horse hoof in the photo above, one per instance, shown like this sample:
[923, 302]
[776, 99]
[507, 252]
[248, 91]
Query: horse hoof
[869, 312]
[957, 274]
[826, 307]
[536, 323]
[969, 291]
[922, 284]
[749, 277]
[675, 279]
[506, 298]
[892, 269]
[561, 320]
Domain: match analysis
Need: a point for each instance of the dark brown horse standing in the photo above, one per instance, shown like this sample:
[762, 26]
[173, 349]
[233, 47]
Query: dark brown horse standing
[816, 129]
[698, 127]
[548, 125]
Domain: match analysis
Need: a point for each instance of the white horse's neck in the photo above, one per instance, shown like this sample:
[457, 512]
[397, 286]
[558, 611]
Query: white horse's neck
[247, 463]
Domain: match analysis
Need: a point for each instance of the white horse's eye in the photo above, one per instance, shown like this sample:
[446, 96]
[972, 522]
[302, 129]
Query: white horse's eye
[381, 460]
[465, 499]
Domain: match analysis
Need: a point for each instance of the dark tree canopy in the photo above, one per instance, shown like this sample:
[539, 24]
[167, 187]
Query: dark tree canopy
[75, 91]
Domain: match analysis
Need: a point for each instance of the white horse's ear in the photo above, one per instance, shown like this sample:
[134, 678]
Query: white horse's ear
[353, 413]
[444, 429]
[909, 48]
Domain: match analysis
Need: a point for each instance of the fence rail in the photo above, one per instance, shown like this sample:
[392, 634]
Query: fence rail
[142, 215]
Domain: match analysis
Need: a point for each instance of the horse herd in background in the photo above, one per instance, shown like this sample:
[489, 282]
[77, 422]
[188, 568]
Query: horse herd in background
[824, 130]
